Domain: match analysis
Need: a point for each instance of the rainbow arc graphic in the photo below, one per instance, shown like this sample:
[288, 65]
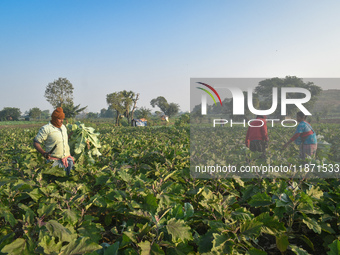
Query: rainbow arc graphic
[204, 98]
[209, 93]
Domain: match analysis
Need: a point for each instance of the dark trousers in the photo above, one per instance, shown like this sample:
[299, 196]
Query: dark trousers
[258, 145]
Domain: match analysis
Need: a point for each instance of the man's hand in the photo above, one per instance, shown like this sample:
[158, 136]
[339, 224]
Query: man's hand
[46, 155]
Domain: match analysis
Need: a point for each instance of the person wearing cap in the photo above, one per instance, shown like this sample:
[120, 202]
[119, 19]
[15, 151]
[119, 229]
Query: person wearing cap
[257, 135]
[55, 134]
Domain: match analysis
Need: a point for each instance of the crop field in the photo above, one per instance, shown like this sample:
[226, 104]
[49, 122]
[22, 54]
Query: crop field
[138, 197]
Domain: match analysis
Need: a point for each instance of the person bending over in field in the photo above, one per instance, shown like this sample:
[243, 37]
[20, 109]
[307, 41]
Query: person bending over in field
[54, 136]
[304, 136]
[257, 135]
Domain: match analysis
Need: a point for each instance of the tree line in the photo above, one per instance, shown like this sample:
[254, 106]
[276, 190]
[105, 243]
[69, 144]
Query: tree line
[59, 93]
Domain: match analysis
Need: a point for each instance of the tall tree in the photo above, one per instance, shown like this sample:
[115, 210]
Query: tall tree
[10, 113]
[161, 102]
[35, 113]
[59, 92]
[124, 102]
[115, 101]
[265, 92]
[129, 103]
[168, 109]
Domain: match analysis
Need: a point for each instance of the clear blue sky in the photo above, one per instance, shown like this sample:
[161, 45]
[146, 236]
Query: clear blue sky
[155, 47]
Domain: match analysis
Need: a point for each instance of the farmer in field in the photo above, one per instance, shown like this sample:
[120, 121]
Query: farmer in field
[304, 136]
[257, 135]
[54, 136]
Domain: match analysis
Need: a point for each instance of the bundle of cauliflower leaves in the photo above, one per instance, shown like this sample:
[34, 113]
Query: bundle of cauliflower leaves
[84, 143]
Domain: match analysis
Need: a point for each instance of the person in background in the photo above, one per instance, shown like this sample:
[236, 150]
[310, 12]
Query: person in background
[257, 135]
[304, 136]
[54, 136]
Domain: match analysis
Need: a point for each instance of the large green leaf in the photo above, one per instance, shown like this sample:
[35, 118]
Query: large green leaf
[9, 217]
[241, 214]
[59, 231]
[298, 250]
[260, 199]
[145, 247]
[188, 210]
[334, 248]
[112, 249]
[92, 230]
[315, 192]
[70, 216]
[6, 239]
[49, 245]
[29, 214]
[177, 211]
[18, 247]
[180, 249]
[179, 230]
[46, 210]
[312, 224]
[222, 244]
[35, 194]
[282, 242]
[271, 224]
[205, 241]
[150, 203]
[80, 246]
[251, 228]
[56, 171]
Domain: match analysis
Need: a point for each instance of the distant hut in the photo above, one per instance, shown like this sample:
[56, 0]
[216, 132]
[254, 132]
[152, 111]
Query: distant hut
[139, 122]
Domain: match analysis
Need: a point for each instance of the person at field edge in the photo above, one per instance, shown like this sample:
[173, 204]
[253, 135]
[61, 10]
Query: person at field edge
[257, 135]
[55, 133]
[304, 136]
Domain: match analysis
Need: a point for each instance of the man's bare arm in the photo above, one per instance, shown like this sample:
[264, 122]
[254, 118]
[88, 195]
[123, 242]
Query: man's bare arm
[37, 146]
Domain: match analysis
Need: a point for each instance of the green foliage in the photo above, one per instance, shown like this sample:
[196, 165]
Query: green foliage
[139, 198]
[45, 114]
[84, 143]
[35, 113]
[183, 119]
[10, 113]
[107, 113]
[59, 92]
[92, 115]
[71, 111]
[334, 248]
[143, 112]
[124, 103]
[170, 109]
